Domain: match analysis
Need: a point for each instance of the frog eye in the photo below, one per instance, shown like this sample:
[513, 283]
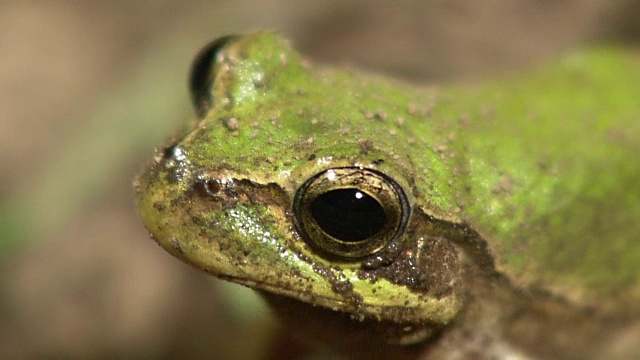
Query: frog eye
[351, 212]
[203, 73]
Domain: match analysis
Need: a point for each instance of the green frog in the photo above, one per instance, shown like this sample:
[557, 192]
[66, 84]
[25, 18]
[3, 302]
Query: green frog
[495, 220]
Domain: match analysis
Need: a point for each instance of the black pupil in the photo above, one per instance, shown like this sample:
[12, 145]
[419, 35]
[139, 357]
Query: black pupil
[348, 214]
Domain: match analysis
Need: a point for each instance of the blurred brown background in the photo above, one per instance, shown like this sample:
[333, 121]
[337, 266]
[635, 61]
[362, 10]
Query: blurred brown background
[87, 88]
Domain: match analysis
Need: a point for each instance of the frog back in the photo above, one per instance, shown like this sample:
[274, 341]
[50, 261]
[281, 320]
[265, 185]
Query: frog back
[552, 178]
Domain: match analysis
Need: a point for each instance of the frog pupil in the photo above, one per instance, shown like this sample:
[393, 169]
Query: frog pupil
[348, 214]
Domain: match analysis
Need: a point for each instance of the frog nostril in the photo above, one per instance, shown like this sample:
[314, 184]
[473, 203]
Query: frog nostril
[208, 188]
[203, 72]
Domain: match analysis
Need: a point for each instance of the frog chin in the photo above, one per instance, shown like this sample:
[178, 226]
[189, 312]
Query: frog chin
[360, 305]
[326, 314]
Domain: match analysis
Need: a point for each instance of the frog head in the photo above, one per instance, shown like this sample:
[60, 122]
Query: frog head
[294, 180]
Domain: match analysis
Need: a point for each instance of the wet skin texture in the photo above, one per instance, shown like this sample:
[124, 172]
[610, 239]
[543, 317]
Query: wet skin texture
[445, 222]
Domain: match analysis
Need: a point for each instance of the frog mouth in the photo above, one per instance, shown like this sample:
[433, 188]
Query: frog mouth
[435, 311]
[267, 290]
[315, 299]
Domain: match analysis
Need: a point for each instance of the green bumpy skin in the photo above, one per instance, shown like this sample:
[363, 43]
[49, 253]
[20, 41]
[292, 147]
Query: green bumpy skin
[535, 179]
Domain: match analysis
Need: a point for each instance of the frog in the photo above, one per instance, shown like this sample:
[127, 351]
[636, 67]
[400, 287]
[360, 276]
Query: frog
[494, 219]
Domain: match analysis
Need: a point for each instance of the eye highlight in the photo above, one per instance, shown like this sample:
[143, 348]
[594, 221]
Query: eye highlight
[350, 212]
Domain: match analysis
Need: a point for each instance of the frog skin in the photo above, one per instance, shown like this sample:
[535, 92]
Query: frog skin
[488, 221]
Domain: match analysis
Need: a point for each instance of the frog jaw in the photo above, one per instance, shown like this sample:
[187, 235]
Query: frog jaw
[441, 313]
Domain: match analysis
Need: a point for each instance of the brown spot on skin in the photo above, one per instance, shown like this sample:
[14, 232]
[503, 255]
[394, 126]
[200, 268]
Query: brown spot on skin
[504, 186]
[232, 123]
[381, 114]
[158, 206]
[176, 246]
[365, 146]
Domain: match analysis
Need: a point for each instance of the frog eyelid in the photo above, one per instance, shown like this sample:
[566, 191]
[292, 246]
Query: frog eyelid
[203, 73]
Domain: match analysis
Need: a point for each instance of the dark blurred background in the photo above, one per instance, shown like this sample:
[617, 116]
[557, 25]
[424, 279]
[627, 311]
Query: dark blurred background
[88, 88]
